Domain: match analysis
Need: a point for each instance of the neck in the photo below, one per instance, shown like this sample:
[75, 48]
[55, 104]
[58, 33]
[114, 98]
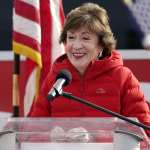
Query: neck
[82, 70]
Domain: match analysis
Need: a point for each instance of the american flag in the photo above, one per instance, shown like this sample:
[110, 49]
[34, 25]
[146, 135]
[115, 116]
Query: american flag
[36, 28]
[141, 11]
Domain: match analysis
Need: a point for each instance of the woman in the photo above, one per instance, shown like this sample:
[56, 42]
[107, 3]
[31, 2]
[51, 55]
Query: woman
[98, 74]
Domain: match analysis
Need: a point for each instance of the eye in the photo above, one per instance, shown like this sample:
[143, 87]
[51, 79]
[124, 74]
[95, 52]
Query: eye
[70, 37]
[86, 38]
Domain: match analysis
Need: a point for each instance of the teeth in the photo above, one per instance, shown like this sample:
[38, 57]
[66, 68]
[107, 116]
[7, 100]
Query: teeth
[78, 54]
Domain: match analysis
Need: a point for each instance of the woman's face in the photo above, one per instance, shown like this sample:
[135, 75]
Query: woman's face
[81, 48]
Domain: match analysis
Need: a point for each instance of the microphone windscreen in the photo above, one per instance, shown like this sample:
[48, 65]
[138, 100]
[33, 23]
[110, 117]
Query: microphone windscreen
[65, 74]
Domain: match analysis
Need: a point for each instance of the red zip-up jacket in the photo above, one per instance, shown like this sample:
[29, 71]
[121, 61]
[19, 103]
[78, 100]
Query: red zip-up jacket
[106, 83]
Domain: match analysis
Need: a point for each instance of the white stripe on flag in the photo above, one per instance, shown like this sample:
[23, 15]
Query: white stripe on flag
[30, 90]
[27, 27]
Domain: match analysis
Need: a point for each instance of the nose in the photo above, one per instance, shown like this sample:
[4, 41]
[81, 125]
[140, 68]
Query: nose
[77, 44]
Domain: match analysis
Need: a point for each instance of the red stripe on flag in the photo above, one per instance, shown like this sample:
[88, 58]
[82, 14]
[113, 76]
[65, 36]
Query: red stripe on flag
[46, 37]
[27, 11]
[26, 40]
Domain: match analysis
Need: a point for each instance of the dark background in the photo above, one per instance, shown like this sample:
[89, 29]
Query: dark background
[124, 29]
[5, 24]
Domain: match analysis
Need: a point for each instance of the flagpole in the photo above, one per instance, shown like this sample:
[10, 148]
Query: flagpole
[15, 92]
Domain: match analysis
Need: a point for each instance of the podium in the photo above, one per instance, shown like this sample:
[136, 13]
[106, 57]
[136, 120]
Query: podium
[71, 134]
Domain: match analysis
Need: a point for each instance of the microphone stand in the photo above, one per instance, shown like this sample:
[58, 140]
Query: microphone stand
[113, 114]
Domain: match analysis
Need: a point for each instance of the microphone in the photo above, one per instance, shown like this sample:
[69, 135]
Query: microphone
[103, 109]
[62, 79]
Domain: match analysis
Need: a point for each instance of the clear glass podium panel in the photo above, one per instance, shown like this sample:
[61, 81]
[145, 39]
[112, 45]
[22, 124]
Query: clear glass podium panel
[73, 133]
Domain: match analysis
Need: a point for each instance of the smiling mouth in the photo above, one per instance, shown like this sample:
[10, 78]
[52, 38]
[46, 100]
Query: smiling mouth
[78, 55]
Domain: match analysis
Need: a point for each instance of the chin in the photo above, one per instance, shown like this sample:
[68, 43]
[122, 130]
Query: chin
[80, 64]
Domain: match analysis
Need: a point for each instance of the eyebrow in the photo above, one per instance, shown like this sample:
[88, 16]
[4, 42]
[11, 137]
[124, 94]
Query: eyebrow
[85, 32]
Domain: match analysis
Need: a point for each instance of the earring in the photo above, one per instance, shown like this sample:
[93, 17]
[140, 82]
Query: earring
[100, 54]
